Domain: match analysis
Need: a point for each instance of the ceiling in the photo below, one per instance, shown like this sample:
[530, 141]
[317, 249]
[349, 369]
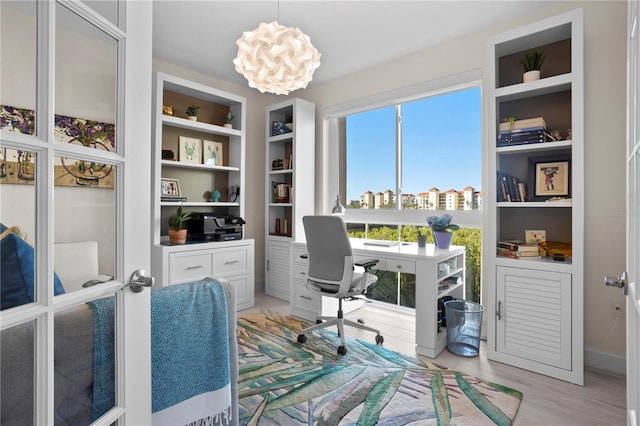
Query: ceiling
[350, 35]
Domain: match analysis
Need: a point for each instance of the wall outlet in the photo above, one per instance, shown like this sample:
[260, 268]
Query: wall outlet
[617, 308]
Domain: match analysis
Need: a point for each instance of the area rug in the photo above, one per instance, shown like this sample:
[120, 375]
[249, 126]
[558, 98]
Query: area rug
[282, 382]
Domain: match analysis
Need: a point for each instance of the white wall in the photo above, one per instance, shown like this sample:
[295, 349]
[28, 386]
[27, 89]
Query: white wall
[605, 68]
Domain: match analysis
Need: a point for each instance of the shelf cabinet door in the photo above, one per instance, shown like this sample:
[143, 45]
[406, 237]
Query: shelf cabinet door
[278, 270]
[533, 319]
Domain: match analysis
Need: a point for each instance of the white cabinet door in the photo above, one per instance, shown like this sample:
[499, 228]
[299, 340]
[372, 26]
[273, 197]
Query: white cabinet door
[533, 318]
[278, 270]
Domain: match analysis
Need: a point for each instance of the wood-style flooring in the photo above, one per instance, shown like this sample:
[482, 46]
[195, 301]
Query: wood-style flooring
[546, 401]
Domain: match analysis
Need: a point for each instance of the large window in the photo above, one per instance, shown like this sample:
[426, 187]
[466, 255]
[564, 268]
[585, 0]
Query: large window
[418, 155]
[399, 157]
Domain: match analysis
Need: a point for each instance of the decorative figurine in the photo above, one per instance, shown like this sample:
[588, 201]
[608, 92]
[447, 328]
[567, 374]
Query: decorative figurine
[569, 134]
[167, 109]
[215, 195]
[555, 134]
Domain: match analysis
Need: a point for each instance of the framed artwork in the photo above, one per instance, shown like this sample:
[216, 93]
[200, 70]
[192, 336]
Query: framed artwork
[555, 183]
[212, 153]
[552, 179]
[189, 150]
[170, 188]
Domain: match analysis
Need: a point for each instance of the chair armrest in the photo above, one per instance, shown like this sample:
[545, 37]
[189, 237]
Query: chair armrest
[367, 263]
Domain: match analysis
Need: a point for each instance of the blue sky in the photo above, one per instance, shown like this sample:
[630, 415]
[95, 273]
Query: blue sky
[441, 146]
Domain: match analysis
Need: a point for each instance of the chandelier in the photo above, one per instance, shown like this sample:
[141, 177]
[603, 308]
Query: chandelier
[276, 59]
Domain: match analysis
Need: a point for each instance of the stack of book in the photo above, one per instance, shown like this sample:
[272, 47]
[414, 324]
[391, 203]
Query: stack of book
[517, 249]
[521, 132]
[510, 188]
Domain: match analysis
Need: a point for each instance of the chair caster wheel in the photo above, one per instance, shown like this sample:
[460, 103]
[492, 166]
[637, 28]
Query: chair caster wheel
[319, 321]
[302, 338]
[379, 339]
[360, 320]
[342, 350]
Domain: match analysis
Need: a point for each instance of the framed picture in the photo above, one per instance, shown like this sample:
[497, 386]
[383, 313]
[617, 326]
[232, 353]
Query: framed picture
[212, 153]
[170, 188]
[552, 179]
[549, 177]
[190, 150]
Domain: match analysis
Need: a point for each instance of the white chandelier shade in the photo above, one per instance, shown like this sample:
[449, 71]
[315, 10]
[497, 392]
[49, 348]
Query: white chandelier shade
[276, 59]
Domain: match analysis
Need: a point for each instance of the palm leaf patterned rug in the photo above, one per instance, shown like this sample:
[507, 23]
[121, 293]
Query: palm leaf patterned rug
[284, 383]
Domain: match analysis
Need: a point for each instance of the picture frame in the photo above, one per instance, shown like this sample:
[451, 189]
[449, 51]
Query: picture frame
[549, 177]
[212, 153]
[190, 150]
[170, 188]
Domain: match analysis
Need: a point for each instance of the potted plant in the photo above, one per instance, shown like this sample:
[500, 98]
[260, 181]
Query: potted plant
[422, 239]
[192, 112]
[227, 120]
[442, 229]
[177, 230]
[531, 63]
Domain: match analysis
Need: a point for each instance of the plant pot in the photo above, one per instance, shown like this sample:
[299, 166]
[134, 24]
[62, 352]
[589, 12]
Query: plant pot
[193, 118]
[422, 240]
[442, 240]
[178, 237]
[228, 125]
[531, 76]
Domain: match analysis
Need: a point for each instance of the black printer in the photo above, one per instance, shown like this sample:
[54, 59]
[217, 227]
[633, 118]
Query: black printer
[211, 227]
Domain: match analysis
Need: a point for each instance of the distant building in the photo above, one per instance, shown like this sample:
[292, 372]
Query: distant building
[434, 199]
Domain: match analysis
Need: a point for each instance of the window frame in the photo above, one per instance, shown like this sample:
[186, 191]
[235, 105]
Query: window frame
[334, 176]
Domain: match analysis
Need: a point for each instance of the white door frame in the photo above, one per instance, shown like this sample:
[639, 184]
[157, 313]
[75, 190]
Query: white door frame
[633, 223]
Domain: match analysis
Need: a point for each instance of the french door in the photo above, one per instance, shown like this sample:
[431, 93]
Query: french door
[75, 173]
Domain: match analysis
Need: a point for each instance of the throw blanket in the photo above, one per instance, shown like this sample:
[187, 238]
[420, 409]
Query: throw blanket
[189, 357]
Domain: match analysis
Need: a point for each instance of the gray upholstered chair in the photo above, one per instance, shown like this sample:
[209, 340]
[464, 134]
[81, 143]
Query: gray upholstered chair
[332, 272]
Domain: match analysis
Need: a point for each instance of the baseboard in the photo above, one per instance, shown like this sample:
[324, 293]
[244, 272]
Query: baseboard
[605, 361]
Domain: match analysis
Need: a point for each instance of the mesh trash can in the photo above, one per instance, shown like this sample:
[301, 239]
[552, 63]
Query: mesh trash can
[464, 321]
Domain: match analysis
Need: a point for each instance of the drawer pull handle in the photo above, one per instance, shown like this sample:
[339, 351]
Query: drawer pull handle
[229, 262]
[305, 297]
[194, 267]
[399, 266]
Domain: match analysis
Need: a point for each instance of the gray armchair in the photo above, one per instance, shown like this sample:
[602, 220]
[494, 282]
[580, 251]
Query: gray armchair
[332, 273]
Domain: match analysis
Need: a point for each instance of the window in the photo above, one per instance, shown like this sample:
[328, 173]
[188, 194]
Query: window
[399, 157]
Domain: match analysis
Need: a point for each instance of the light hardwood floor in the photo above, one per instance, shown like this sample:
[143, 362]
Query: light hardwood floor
[546, 401]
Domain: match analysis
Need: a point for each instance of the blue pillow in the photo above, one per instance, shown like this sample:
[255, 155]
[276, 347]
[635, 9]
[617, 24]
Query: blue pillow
[17, 272]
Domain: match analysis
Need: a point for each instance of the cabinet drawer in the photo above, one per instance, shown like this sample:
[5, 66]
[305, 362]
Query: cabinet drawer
[400, 266]
[300, 272]
[297, 252]
[306, 299]
[230, 262]
[190, 266]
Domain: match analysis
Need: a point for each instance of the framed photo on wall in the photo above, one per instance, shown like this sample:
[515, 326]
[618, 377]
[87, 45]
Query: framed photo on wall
[190, 150]
[212, 153]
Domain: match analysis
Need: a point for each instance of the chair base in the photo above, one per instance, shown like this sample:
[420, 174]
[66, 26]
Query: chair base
[340, 322]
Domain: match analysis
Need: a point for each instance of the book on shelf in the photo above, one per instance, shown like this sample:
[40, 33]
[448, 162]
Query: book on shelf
[523, 124]
[525, 130]
[524, 138]
[509, 188]
[173, 198]
[518, 245]
[513, 254]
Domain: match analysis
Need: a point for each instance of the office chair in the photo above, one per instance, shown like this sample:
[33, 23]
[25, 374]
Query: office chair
[331, 272]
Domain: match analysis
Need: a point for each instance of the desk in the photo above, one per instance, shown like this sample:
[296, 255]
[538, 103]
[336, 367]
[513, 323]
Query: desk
[430, 265]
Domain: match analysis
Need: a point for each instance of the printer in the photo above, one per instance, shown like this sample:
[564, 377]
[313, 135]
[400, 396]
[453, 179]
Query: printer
[211, 227]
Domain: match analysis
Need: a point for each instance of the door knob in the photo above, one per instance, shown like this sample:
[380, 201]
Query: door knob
[138, 281]
[620, 282]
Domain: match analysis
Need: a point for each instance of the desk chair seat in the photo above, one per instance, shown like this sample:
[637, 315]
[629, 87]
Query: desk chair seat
[331, 273]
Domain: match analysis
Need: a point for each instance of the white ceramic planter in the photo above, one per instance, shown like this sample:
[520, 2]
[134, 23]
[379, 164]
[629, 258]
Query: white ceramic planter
[531, 76]
[228, 125]
[193, 118]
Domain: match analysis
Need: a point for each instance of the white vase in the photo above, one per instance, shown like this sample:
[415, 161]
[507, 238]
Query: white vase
[193, 118]
[531, 76]
[228, 125]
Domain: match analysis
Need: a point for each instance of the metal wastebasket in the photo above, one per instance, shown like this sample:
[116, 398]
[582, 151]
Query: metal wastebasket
[464, 322]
